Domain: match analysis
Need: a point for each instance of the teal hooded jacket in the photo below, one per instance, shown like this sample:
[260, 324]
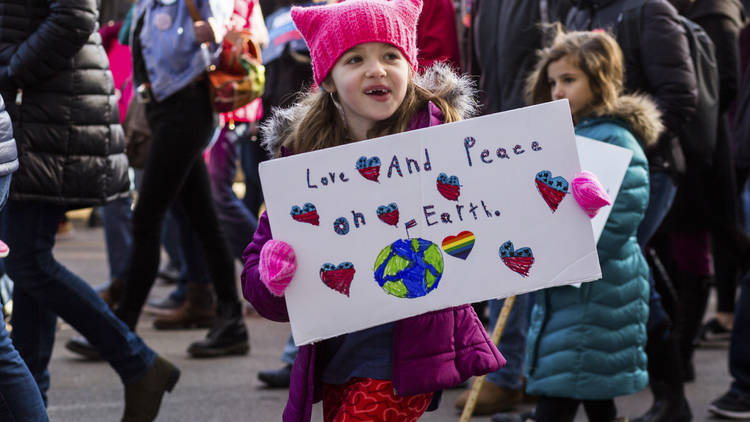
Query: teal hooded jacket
[588, 343]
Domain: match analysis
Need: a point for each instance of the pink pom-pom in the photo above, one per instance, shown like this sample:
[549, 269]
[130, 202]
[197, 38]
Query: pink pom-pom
[589, 193]
[277, 266]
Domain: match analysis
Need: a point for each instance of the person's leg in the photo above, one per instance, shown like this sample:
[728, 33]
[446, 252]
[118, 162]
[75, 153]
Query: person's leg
[279, 378]
[118, 238]
[252, 154]
[181, 126]
[48, 289]
[661, 195]
[739, 349]
[20, 399]
[555, 409]
[735, 404]
[504, 388]
[236, 220]
[600, 410]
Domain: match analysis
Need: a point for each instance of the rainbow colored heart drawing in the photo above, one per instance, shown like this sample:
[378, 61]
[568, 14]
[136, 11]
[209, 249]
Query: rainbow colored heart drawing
[460, 245]
[307, 214]
[519, 260]
[369, 168]
[553, 190]
[388, 213]
[338, 277]
[448, 187]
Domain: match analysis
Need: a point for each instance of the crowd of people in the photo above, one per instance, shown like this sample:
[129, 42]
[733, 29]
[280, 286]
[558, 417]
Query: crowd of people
[90, 90]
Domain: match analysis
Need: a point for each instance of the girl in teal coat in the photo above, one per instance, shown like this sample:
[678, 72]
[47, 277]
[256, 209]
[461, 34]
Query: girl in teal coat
[586, 345]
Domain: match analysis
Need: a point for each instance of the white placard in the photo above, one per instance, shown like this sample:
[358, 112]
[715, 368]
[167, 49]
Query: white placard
[501, 195]
[609, 163]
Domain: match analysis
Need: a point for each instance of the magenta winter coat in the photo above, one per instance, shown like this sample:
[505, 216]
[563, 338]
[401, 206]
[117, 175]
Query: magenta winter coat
[431, 352]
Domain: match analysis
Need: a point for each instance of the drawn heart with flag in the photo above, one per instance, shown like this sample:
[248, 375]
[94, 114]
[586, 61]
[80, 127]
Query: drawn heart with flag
[338, 277]
[369, 168]
[460, 245]
[305, 214]
[553, 189]
[519, 261]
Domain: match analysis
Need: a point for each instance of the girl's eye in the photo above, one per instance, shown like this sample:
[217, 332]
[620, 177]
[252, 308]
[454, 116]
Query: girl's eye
[551, 83]
[353, 59]
[391, 56]
[569, 80]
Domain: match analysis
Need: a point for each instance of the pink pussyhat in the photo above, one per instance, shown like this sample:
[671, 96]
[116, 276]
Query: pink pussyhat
[332, 29]
[277, 266]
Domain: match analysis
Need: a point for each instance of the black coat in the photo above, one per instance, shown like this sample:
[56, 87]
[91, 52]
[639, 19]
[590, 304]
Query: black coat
[663, 67]
[502, 46]
[55, 77]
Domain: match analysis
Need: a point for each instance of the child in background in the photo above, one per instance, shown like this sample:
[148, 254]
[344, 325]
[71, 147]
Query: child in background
[364, 60]
[586, 345]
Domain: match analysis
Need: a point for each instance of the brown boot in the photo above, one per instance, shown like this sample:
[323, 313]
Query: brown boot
[492, 399]
[196, 312]
[143, 397]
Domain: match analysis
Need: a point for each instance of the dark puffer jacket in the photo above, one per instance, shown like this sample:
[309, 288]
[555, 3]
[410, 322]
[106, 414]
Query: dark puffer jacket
[55, 75]
[8, 156]
[661, 66]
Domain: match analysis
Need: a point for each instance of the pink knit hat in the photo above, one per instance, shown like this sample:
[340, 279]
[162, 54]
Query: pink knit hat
[332, 29]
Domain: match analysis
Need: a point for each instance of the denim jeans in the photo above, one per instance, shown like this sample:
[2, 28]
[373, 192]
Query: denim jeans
[20, 399]
[45, 289]
[513, 341]
[252, 154]
[235, 218]
[661, 196]
[193, 269]
[117, 218]
[739, 348]
[290, 351]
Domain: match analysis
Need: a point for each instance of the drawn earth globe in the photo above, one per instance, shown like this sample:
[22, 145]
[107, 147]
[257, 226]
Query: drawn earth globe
[409, 268]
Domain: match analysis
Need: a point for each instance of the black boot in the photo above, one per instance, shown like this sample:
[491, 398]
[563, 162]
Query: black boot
[143, 397]
[80, 346]
[276, 378]
[668, 406]
[227, 336]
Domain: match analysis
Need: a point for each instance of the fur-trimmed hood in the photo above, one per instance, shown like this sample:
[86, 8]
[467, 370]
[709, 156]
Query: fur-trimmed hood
[440, 79]
[640, 114]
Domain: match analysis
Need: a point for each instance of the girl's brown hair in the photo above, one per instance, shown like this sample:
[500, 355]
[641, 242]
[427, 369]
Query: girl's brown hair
[598, 56]
[323, 125]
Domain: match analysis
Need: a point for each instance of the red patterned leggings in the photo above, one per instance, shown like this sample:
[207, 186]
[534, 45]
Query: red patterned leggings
[365, 399]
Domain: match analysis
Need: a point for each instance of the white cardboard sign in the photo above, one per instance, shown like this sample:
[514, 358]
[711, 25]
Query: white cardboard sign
[405, 224]
[609, 163]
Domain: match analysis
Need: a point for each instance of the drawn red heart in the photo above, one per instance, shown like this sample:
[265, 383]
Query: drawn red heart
[338, 277]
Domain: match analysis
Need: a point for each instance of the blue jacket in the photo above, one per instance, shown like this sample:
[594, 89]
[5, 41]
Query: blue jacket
[172, 56]
[588, 343]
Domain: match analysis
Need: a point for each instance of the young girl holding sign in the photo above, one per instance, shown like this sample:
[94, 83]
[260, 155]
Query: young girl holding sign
[586, 345]
[364, 60]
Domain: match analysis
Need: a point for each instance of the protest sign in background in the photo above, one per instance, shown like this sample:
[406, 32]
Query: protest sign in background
[405, 224]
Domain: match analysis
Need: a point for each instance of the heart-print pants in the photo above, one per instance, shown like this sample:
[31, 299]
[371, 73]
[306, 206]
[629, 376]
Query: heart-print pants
[372, 400]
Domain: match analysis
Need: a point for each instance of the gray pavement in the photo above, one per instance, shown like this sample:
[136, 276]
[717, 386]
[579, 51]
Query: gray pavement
[227, 389]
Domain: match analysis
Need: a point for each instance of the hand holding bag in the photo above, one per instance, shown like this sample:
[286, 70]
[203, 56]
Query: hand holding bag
[239, 76]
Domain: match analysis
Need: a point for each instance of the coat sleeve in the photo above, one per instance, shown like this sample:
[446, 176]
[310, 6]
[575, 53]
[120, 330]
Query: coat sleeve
[267, 305]
[667, 64]
[8, 153]
[54, 42]
[632, 199]
[725, 34]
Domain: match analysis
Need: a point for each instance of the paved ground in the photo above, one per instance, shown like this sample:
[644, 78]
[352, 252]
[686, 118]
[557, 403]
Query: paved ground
[227, 389]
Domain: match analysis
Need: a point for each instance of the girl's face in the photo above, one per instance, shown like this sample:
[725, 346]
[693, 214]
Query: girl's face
[567, 80]
[370, 80]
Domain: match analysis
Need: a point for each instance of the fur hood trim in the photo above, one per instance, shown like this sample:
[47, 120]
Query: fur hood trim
[440, 79]
[641, 115]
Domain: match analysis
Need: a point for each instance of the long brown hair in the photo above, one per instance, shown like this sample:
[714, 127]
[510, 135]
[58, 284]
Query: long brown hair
[598, 56]
[323, 125]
